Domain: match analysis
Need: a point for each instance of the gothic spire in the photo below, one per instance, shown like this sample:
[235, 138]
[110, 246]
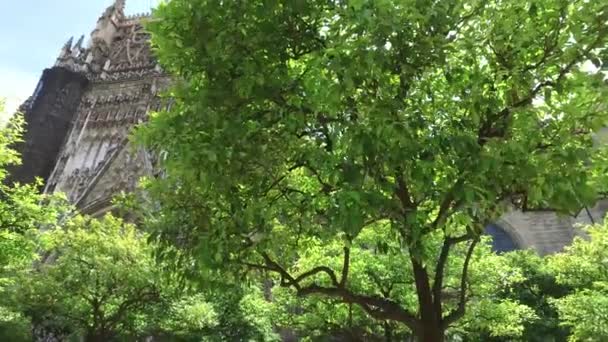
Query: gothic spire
[67, 48]
[79, 42]
[68, 45]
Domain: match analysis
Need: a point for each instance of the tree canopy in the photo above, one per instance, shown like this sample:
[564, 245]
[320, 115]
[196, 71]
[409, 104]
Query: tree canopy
[327, 169]
[65, 276]
[23, 212]
[584, 267]
[300, 122]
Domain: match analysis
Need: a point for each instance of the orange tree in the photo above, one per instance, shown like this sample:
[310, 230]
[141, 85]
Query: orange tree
[303, 120]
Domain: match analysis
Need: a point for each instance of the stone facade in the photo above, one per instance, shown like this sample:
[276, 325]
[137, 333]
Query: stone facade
[80, 116]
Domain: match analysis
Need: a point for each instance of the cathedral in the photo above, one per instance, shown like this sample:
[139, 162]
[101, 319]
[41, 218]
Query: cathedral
[80, 115]
[79, 118]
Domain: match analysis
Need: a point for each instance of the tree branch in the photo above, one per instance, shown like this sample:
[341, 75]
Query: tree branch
[446, 204]
[289, 280]
[423, 291]
[286, 278]
[278, 180]
[441, 264]
[549, 47]
[327, 188]
[345, 267]
[319, 269]
[377, 307]
[139, 301]
[460, 310]
[487, 129]
[403, 193]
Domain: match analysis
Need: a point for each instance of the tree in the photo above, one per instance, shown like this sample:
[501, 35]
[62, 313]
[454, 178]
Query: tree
[536, 290]
[53, 270]
[584, 267]
[96, 279]
[319, 119]
[379, 272]
[23, 210]
[230, 313]
[72, 276]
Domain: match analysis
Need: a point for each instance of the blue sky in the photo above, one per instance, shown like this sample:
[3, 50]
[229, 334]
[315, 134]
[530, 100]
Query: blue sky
[33, 31]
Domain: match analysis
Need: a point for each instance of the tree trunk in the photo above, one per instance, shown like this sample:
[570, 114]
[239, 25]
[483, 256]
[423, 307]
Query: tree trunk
[98, 335]
[431, 334]
[430, 313]
[388, 332]
[96, 338]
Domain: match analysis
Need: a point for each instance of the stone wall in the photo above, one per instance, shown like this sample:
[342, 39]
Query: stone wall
[547, 232]
[97, 145]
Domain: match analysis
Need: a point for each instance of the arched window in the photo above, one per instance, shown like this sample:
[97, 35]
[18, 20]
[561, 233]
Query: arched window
[501, 240]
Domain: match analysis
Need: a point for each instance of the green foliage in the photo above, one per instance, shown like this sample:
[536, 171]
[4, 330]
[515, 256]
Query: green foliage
[536, 290]
[257, 312]
[23, 210]
[584, 267]
[511, 316]
[190, 314]
[79, 277]
[491, 314]
[95, 278]
[14, 326]
[376, 272]
[585, 312]
[299, 126]
[240, 314]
